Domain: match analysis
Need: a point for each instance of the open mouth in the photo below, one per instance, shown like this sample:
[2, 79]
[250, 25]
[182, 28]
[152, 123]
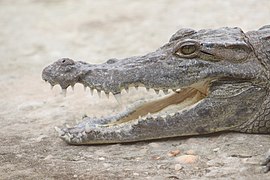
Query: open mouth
[174, 102]
[168, 105]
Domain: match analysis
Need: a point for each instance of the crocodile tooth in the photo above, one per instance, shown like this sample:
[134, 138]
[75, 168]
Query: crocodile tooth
[60, 131]
[166, 91]
[79, 135]
[102, 125]
[84, 87]
[127, 90]
[78, 140]
[68, 126]
[99, 93]
[69, 136]
[72, 87]
[149, 115]
[64, 92]
[143, 118]
[84, 134]
[87, 128]
[118, 98]
[66, 138]
[107, 95]
[92, 91]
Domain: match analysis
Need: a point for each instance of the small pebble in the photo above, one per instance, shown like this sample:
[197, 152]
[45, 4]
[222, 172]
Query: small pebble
[100, 152]
[30, 105]
[174, 153]
[48, 157]
[190, 152]
[19, 155]
[106, 165]
[156, 157]
[101, 158]
[178, 167]
[186, 159]
[41, 137]
[154, 145]
[143, 151]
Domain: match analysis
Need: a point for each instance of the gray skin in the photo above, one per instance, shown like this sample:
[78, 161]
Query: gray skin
[234, 66]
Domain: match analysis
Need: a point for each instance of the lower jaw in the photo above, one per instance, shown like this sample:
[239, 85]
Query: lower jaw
[165, 107]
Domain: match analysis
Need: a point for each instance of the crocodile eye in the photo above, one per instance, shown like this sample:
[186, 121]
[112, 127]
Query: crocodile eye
[187, 48]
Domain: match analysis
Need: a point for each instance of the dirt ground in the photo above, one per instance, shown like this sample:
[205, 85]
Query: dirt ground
[35, 33]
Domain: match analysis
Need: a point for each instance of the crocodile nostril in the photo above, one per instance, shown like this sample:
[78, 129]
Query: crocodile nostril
[65, 61]
[111, 61]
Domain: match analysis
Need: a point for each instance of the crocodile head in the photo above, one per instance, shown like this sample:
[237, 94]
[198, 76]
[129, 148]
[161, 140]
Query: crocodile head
[205, 71]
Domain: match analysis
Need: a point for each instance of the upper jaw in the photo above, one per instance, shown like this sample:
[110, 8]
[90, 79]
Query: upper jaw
[152, 72]
[159, 70]
[148, 71]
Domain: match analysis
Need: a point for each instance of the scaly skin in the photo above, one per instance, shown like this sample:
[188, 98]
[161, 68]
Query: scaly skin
[223, 75]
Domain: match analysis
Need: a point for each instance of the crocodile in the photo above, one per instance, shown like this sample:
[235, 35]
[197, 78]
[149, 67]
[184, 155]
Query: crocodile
[213, 80]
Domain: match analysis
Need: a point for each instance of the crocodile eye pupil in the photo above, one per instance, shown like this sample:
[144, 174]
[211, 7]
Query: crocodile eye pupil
[63, 60]
[188, 49]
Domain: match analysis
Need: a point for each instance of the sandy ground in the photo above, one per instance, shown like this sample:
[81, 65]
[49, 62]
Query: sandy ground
[35, 33]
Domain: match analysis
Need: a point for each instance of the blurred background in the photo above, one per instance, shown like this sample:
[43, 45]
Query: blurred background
[34, 33]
